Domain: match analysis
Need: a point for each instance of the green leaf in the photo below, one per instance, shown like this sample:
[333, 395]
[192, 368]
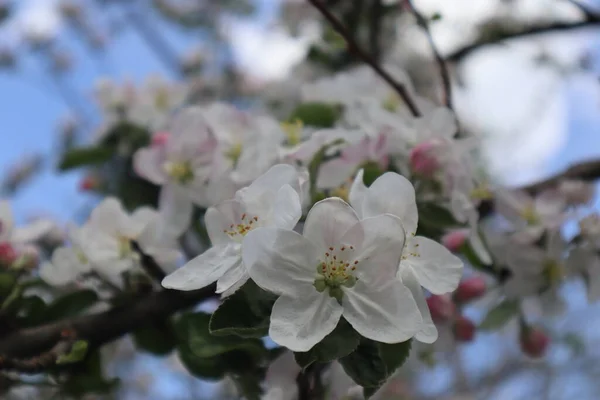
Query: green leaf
[158, 339]
[7, 281]
[322, 115]
[245, 313]
[436, 216]
[33, 309]
[371, 171]
[339, 343]
[77, 353]
[394, 355]
[71, 304]
[372, 363]
[87, 377]
[365, 366]
[498, 316]
[83, 156]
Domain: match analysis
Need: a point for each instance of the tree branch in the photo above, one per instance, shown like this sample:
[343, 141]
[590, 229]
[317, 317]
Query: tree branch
[589, 22]
[148, 263]
[360, 53]
[43, 361]
[444, 74]
[98, 329]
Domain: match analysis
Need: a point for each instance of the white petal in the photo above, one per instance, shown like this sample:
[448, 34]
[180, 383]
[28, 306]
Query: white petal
[278, 260]
[335, 172]
[393, 194]
[270, 182]
[6, 220]
[436, 268]
[327, 222]
[33, 231]
[108, 216]
[287, 209]
[175, 209]
[378, 243]
[428, 332]
[302, 321]
[358, 191]
[232, 279]
[64, 268]
[147, 163]
[387, 314]
[216, 225]
[478, 247]
[205, 269]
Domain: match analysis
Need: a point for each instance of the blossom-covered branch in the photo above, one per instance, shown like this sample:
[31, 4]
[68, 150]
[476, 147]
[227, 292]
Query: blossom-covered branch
[98, 329]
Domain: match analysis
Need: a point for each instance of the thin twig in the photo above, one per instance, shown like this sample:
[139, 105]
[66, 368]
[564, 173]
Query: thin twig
[355, 48]
[43, 361]
[444, 74]
[374, 29]
[149, 263]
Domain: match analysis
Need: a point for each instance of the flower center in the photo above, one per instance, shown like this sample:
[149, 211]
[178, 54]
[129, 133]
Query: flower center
[392, 102]
[335, 270]
[481, 192]
[530, 216]
[125, 248]
[181, 172]
[293, 131]
[234, 152]
[161, 99]
[245, 225]
[554, 272]
[81, 256]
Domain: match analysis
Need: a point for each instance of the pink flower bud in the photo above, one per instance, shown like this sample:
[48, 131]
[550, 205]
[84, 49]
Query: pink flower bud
[28, 257]
[160, 138]
[464, 329]
[8, 255]
[88, 183]
[454, 240]
[470, 289]
[441, 307]
[534, 342]
[423, 160]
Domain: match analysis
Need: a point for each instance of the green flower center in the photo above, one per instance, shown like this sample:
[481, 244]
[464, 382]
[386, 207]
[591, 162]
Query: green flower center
[335, 272]
[182, 172]
[554, 272]
[530, 215]
[234, 153]
[293, 131]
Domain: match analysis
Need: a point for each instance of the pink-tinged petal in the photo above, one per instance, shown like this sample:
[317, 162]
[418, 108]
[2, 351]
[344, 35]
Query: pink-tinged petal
[387, 314]
[148, 163]
[358, 191]
[205, 269]
[376, 245]
[335, 172]
[302, 321]
[279, 261]
[393, 194]
[327, 222]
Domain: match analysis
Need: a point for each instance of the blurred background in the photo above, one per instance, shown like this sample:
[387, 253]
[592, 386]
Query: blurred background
[534, 98]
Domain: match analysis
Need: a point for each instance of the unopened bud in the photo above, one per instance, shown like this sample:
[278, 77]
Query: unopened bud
[441, 307]
[8, 254]
[89, 183]
[534, 342]
[470, 289]
[454, 240]
[423, 160]
[28, 258]
[464, 329]
[159, 139]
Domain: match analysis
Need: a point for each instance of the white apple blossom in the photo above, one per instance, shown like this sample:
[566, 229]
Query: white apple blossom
[109, 234]
[339, 266]
[531, 216]
[67, 262]
[183, 163]
[424, 262]
[271, 200]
